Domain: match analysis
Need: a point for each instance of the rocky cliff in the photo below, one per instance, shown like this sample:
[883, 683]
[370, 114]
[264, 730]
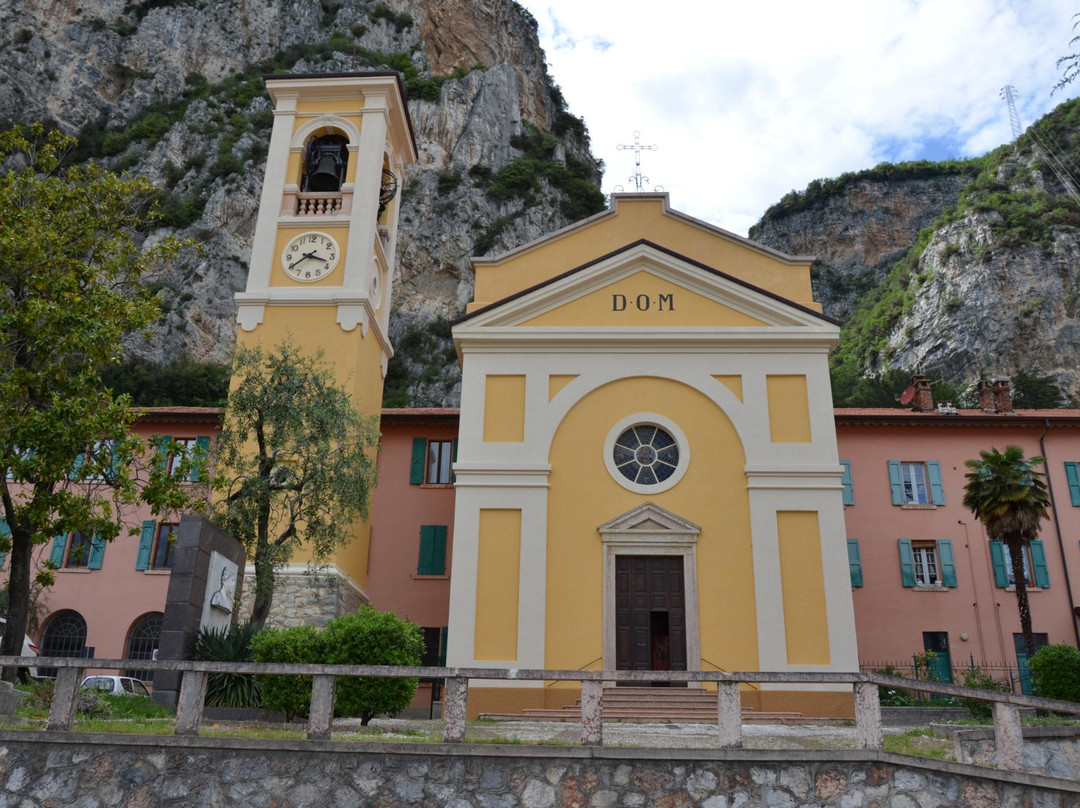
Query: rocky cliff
[963, 269]
[171, 89]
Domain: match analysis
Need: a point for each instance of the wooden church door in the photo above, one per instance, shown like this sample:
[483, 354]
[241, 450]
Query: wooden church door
[650, 613]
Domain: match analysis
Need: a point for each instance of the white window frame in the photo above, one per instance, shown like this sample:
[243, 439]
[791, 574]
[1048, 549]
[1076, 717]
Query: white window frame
[442, 461]
[190, 445]
[927, 563]
[910, 484]
[1029, 567]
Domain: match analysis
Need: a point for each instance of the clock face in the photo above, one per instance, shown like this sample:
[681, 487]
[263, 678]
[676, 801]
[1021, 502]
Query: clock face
[310, 257]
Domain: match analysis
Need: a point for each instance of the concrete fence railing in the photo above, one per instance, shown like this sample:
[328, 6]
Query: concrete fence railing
[1008, 736]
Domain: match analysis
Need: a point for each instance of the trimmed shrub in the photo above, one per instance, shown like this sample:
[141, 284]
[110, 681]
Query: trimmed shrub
[368, 637]
[371, 637]
[287, 694]
[1055, 672]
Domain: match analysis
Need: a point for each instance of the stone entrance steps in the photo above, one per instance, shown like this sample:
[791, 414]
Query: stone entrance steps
[666, 705]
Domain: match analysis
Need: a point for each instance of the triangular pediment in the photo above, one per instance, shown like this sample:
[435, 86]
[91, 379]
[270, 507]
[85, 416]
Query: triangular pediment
[645, 286]
[649, 518]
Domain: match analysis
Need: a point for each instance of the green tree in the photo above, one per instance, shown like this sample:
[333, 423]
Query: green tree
[294, 462]
[1009, 497]
[371, 637]
[1036, 391]
[71, 258]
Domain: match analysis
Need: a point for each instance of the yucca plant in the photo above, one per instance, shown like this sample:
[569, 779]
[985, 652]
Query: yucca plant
[228, 645]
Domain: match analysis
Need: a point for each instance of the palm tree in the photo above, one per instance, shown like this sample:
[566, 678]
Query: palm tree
[1009, 497]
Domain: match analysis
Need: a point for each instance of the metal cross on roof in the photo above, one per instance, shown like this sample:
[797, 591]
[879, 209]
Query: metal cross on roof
[639, 179]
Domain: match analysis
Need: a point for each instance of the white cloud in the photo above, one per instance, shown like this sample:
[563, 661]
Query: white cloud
[747, 101]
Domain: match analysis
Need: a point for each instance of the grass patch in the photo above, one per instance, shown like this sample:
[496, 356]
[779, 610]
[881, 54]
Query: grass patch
[920, 742]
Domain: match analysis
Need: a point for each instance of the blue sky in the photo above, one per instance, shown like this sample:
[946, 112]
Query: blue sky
[748, 101]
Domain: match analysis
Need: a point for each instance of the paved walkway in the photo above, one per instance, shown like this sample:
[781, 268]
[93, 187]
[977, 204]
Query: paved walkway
[675, 736]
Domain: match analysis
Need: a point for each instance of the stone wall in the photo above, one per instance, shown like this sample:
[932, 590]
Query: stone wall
[1053, 751]
[304, 597]
[84, 769]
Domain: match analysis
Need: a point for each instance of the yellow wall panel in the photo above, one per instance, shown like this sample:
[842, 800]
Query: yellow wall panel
[557, 382]
[732, 383]
[504, 409]
[803, 582]
[789, 410]
[497, 576]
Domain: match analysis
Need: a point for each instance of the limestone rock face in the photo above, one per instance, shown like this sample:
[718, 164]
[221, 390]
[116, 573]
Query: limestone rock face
[858, 234]
[991, 311]
[996, 287]
[163, 93]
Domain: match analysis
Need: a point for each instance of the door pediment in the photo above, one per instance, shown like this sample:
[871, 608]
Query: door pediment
[649, 524]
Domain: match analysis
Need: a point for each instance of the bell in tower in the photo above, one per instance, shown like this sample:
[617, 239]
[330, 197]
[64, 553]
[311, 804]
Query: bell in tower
[325, 161]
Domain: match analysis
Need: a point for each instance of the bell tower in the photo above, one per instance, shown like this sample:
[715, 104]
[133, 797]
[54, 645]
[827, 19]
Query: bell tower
[323, 257]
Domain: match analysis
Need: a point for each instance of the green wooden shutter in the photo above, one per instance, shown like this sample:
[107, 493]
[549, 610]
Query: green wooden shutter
[163, 451]
[432, 550]
[845, 480]
[202, 443]
[907, 562]
[937, 488]
[146, 545]
[1038, 560]
[419, 457]
[5, 532]
[854, 562]
[453, 459]
[79, 459]
[896, 483]
[945, 559]
[56, 555]
[442, 646]
[1073, 476]
[97, 552]
[997, 558]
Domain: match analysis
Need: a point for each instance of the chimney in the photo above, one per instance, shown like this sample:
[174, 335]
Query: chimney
[924, 396]
[1003, 395]
[987, 399]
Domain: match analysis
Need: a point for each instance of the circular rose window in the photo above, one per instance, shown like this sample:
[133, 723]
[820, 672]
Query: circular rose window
[646, 454]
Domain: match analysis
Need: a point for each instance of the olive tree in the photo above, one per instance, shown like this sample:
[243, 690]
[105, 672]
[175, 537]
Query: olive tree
[72, 256]
[294, 463]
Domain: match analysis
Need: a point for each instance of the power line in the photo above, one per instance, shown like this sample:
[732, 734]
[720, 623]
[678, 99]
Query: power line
[1043, 150]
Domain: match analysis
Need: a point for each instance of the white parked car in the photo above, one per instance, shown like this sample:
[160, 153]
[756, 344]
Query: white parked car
[116, 685]
[28, 649]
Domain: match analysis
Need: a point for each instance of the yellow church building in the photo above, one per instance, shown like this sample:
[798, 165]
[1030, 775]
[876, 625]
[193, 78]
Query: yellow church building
[647, 473]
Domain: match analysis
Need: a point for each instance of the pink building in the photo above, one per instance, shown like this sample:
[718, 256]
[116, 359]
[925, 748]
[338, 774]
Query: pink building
[925, 575]
[108, 597]
[412, 519]
[923, 572]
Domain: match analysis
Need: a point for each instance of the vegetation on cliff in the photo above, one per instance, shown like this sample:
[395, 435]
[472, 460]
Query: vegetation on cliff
[1014, 197]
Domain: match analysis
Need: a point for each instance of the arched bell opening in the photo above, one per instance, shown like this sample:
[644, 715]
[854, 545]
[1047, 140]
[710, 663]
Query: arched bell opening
[326, 159]
[388, 188]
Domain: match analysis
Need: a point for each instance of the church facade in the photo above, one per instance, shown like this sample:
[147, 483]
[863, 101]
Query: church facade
[647, 474]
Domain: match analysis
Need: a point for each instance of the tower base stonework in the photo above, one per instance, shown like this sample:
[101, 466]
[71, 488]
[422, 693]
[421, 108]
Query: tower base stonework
[306, 596]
